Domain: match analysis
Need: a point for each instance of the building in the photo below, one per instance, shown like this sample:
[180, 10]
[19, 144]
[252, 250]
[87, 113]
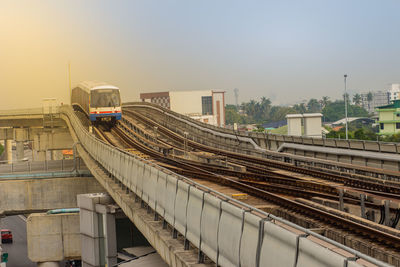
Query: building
[379, 98]
[389, 118]
[207, 106]
[394, 91]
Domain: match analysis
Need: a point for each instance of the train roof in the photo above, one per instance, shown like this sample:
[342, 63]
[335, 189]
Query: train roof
[94, 85]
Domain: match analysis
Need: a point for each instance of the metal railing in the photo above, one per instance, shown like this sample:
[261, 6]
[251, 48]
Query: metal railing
[39, 166]
[229, 232]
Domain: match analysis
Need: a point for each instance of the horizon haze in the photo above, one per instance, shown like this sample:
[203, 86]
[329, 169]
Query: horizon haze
[287, 51]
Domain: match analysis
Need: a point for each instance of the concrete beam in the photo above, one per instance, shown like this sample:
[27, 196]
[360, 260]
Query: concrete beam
[53, 237]
[26, 122]
[32, 195]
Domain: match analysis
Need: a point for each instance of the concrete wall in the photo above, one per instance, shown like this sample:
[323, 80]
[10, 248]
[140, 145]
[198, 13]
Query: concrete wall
[26, 196]
[53, 237]
[187, 102]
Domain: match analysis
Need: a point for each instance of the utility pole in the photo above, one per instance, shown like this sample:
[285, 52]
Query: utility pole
[345, 105]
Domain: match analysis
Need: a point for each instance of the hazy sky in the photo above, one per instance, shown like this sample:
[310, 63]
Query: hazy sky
[285, 50]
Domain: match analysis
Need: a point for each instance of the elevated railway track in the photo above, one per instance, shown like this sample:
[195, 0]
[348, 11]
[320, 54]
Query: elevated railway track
[264, 183]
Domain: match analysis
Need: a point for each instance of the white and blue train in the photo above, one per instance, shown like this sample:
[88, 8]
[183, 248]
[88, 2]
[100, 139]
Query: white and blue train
[100, 101]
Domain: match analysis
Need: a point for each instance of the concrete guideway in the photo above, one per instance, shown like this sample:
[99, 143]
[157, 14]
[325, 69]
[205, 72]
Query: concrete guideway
[228, 234]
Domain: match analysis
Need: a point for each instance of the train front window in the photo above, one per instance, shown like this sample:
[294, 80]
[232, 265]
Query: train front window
[104, 98]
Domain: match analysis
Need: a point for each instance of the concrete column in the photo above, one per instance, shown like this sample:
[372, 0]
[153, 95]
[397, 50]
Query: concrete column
[20, 150]
[97, 227]
[8, 151]
[48, 264]
[21, 135]
[41, 155]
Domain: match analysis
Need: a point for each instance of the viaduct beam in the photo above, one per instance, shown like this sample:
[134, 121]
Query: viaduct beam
[41, 194]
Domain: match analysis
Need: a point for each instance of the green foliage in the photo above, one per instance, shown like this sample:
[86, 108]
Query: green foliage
[260, 112]
[334, 111]
[313, 106]
[232, 115]
[391, 138]
[357, 99]
[1, 149]
[356, 131]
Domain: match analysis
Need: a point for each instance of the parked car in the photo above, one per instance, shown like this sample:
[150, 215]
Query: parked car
[6, 236]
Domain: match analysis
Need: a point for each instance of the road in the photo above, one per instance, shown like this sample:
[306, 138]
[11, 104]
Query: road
[17, 251]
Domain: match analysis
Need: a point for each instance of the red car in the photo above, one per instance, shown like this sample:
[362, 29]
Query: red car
[6, 236]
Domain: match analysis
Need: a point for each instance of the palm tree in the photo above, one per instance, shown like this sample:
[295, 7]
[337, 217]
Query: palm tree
[357, 99]
[324, 101]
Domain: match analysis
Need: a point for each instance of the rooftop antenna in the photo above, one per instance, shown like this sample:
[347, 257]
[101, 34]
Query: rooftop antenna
[236, 97]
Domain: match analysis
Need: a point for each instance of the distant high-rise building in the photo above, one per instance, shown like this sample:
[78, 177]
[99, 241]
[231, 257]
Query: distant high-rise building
[379, 98]
[394, 91]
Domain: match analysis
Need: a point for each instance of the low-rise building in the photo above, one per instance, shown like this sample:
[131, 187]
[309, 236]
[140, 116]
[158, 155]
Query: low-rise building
[207, 106]
[389, 118]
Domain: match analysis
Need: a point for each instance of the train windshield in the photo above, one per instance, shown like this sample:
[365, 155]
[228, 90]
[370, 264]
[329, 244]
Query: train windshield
[104, 98]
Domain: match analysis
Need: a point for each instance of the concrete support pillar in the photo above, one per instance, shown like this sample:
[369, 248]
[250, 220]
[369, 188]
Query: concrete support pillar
[20, 150]
[8, 151]
[97, 227]
[48, 264]
[21, 136]
[41, 155]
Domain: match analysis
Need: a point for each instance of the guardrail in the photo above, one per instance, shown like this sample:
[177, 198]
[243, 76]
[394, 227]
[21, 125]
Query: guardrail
[229, 232]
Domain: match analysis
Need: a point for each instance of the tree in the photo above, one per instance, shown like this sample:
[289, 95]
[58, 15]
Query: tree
[347, 97]
[231, 115]
[300, 108]
[324, 101]
[335, 111]
[357, 99]
[313, 105]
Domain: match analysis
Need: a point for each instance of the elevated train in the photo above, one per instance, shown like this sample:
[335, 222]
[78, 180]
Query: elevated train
[100, 101]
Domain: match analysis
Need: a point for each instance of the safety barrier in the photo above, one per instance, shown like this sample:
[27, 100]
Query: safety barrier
[229, 232]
